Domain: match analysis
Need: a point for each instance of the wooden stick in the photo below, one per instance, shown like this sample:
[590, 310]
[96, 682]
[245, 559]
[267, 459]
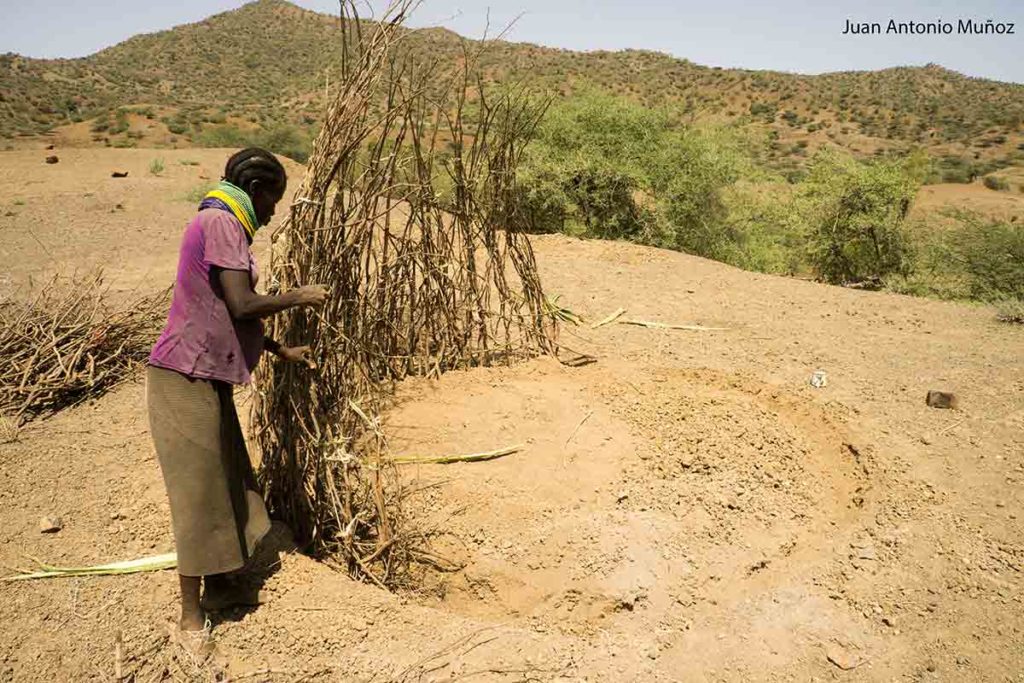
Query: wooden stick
[118, 658]
[448, 459]
[667, 326]
[952, 426]
[585, 418]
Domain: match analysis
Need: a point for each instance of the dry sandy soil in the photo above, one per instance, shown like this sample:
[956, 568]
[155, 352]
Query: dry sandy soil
[687, 508]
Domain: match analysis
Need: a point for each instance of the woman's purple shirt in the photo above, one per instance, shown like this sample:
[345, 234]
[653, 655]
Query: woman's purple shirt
[201, 338]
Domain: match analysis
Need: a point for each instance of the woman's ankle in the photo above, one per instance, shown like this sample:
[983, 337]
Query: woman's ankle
[192, 621]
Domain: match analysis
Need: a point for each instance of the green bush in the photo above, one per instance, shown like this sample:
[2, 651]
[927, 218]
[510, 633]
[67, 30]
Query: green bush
[1010, 310]
[225, 136]
[976, 258]
[287, 141]
[585, 170]
[855, 213]
[995, 183]
[120, 122]
[691, 173]
[763, 110]
[765, 227]
[143, 111]
[156, 167]
[606, 167]
[991, 254]
[281, 139]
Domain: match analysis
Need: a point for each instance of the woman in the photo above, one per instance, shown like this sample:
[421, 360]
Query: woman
[213, 340]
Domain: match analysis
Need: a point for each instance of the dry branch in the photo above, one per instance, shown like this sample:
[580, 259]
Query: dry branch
[449, 459]
[66, 344]
[667, 326]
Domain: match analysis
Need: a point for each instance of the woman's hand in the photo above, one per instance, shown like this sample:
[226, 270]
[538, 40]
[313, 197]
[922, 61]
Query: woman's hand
[296, 354]
[310, 295]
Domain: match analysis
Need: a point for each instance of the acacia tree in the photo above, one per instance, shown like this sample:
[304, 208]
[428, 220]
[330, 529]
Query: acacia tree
[603, 166]
[856, 213]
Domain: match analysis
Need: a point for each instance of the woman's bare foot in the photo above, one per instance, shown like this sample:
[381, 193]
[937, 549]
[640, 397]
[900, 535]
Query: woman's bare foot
[196, 644]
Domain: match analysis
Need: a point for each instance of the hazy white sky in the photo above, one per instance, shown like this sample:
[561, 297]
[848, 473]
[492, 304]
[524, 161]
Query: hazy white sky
[789, 35]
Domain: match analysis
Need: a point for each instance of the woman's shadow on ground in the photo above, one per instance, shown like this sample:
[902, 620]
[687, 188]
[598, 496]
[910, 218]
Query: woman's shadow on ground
[265, 562]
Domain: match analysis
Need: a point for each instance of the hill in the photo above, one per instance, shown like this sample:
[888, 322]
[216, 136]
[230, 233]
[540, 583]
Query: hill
[265, 65]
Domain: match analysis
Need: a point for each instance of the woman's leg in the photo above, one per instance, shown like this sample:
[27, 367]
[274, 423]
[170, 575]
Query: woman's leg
[192, 617]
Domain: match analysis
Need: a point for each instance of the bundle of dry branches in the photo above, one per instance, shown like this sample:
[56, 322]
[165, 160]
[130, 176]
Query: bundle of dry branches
[408, 214]
[65, 345]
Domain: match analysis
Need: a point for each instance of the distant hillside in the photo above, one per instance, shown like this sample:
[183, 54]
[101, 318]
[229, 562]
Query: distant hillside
[264, 65]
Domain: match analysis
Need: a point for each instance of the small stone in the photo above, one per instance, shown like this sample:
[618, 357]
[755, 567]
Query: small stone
[841, 657]
[53, 159]
[888, 621]
[50, 524]
[927, 439]
[942, 399]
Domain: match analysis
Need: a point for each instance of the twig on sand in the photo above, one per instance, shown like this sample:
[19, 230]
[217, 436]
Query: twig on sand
[421, 667]
[667, 326]
[526, 674]
[610, 319]
[448, 459]
[119, 657]
[580, 424]
[952, 426]
[302, 675]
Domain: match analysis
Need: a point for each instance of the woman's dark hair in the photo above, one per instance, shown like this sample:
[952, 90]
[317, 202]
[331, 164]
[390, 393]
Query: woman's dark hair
[252, 164]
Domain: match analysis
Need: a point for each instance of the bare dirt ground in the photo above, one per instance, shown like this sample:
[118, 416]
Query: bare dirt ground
[999, 205]
[687, 508]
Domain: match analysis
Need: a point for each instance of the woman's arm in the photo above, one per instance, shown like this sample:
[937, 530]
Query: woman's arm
[271, 345]
[245, 304]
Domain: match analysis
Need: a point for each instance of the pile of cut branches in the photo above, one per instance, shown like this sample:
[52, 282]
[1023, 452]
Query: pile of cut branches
[65, 344]
[408, 213]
